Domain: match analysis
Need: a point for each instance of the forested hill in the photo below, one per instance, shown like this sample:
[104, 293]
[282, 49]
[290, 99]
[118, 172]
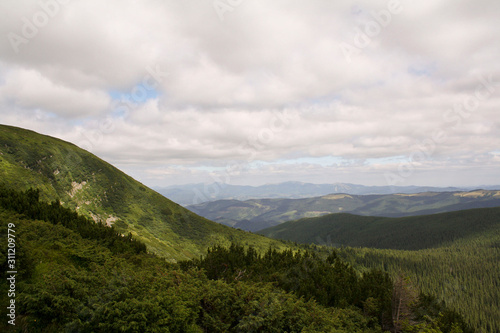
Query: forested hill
[74, 275]
[452, 255]
[96, 189]
[464, 274]
[405, 233]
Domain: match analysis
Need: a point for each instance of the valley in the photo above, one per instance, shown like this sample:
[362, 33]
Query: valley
[258, 214]
[453, 255]
[80, 219]
[234, 166]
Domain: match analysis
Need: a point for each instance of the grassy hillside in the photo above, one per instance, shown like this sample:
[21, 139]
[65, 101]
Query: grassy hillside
[69, 280]
[98, 190]
[255, 215]
[404, 233]
[69, 274]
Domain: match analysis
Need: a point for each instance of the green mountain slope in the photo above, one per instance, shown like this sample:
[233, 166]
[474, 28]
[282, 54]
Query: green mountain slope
[259, 214]
[452, 255]
[76, 276]
[404, 233]
[96, 189]
[69, 274]
[465, 274]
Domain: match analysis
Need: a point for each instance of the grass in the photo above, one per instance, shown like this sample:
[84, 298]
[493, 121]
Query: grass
[28, 159]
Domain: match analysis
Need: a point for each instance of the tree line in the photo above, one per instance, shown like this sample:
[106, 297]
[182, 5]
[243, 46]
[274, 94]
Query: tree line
[81, 276]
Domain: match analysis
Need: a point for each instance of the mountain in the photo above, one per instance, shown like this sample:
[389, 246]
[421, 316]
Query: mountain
[70, 274]
[463, 274]
[96, 189]
[75, 274]
[452, 255]
[259, 214]
[404, 233]
[192, 194]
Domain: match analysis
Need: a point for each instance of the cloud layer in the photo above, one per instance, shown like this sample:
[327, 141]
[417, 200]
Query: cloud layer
[373, 92]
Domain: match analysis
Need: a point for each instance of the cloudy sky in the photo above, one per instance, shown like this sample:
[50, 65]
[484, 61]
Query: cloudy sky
[258, 91]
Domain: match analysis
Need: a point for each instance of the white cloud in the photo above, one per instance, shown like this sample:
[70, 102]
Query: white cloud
[221, 86]
[28, 89]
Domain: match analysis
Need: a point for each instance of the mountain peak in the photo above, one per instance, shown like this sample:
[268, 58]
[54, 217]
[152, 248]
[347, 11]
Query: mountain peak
[96, 189]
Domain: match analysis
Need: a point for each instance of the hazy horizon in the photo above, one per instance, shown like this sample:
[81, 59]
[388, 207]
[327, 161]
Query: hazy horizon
[478, 186]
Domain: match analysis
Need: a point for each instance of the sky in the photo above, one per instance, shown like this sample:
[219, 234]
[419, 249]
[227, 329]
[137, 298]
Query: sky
[262, 91]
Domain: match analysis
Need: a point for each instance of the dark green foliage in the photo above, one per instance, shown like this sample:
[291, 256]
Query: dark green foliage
[72, 281]
[463, 275]
[455, 255]
[428, 307]
[79, 276]
[328, 281]
[28, 203]
[376, 291]
[245, 307]
[405, 233]
[141, 293]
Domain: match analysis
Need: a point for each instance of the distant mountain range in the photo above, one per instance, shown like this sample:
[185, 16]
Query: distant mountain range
[192, 194]
[257, 214]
